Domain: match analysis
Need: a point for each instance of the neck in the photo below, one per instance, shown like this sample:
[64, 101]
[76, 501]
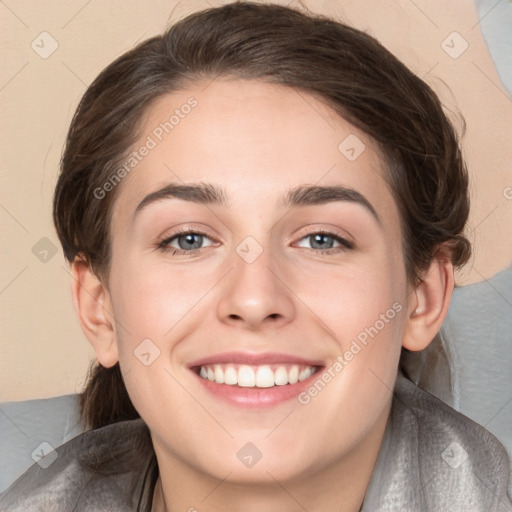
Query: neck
[339, 486]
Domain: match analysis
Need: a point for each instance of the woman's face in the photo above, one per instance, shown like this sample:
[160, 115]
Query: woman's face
[274, 282]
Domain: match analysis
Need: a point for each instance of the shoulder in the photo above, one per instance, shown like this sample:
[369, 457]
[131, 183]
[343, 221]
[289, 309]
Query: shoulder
[459, 463]
[103, 469]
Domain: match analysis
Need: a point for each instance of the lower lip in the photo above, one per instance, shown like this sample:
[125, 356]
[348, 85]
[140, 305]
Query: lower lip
[257, 397]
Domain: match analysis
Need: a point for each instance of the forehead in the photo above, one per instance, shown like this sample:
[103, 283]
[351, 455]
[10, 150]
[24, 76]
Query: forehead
[256, 141]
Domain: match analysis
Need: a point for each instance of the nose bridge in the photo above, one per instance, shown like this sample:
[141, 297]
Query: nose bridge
[254, 292]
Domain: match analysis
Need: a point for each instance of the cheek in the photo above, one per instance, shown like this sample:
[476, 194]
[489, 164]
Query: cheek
[159, 302]
[154, 308]
[350, 299]
[363, 313]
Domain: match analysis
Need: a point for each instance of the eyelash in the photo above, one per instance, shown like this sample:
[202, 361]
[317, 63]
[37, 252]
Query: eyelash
[163, 245]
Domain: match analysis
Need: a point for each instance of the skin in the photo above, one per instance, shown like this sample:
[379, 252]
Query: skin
[257, 141]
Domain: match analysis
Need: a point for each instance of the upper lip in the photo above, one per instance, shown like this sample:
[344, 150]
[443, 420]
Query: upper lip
[254, 359]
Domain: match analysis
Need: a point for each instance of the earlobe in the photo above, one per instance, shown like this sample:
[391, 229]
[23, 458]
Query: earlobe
[92, 303]
[428, 304]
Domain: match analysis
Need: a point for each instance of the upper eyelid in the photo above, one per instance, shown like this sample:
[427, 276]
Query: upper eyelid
[330, 232]
[187, 232]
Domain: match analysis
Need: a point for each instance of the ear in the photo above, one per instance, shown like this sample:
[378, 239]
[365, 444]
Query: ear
[93, 305]
[428, 303]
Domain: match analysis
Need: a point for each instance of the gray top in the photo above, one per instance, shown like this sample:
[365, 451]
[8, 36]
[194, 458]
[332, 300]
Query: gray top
[469, 364]
[432, 459]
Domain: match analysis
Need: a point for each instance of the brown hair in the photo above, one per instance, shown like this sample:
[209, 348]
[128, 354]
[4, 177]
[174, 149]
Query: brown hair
[345, 68]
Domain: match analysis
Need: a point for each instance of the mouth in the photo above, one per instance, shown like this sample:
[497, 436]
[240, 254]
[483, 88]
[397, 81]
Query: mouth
[255, 380]
[263, 376]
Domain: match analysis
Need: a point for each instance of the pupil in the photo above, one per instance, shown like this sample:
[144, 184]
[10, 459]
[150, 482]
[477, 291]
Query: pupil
[189, 239]
[318, 239]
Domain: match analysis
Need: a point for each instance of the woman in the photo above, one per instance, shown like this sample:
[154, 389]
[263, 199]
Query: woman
[262, 209]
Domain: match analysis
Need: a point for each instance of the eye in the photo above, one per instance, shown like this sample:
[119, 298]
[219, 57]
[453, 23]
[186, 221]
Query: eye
[323, 242]
[187, 241]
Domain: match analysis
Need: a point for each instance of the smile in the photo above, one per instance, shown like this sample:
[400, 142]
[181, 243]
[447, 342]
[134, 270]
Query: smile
[255, 380]
[264, 376]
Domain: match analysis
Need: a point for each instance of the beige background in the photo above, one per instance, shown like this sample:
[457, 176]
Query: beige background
[43, 352]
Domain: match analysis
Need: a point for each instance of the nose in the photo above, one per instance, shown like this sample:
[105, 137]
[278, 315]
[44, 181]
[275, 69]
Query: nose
[255, 294]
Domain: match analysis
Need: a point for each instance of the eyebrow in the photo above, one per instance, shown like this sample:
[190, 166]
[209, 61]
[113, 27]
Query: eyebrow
[303, 195]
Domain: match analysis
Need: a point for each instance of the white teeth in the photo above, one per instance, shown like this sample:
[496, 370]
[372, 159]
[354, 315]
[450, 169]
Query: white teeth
[230, 376]
[258, 376]
[246, 377]
[293, 375]
[218, 374]
[306, 373]
[281, 376]
[264, 377]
